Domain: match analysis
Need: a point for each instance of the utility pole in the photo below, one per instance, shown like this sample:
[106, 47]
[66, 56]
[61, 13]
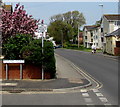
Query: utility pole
[78, 37]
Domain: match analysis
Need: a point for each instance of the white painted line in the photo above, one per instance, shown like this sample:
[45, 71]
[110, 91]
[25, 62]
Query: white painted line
[90, 104]
[103, 99]
[99, 94]
[95, 90]
[8, 84]
[85, 94]
[107, 104]
[88, 100]
[83, 91]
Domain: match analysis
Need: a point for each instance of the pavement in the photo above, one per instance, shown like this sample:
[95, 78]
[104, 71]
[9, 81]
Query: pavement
[68, 78]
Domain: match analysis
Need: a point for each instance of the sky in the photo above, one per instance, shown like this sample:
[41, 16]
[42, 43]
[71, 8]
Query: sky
[91, 10]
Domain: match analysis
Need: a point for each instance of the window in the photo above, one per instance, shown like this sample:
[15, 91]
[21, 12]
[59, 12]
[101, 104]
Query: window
[117, 23]
[101, 29]
[91, 40]
[91, 33]
[85, 37]
[96, 37]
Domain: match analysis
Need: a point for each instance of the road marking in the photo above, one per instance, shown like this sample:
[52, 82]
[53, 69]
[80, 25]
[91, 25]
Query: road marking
[8, 84]
[95, 90]
[90, 104]
[99, 94]
[85, 94]
[83, 91]
[107, 104]
[88, 100]
[103, 99]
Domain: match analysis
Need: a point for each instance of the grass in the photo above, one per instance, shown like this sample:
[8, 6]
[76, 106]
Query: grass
[81, 48]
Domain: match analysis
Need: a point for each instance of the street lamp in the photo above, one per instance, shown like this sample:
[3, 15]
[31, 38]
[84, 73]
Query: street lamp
[101, 5]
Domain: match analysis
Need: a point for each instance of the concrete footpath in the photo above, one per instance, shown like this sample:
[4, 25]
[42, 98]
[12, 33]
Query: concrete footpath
[68, 78]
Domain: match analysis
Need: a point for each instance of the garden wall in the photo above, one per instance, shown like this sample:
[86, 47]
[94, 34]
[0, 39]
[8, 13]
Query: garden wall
[28, 72]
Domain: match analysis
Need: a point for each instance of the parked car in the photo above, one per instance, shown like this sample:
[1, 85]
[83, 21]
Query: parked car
[58, 46]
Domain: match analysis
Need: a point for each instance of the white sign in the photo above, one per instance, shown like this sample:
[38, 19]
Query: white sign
[42, 28]
[13, 61]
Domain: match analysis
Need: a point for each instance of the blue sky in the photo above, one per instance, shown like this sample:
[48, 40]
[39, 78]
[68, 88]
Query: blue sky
[91, 10]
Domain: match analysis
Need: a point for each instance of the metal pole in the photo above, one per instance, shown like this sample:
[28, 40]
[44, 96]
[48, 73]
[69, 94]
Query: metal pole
[42, 54]
[6, 71]
[78, 36]
[21, 71]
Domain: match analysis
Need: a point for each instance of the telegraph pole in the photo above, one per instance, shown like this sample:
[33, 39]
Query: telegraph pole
[78, 37]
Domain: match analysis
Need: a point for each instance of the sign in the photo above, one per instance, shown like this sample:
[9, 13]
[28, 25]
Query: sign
[42, 28]
[13, 61]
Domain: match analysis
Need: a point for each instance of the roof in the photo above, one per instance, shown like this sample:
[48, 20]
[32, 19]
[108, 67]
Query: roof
[112, 16]
[114, 33]
[8, 8]
[91, 27]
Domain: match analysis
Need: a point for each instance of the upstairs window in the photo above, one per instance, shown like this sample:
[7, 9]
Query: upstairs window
[117, 23]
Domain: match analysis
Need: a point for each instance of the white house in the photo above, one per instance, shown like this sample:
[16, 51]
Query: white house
[92, 35]
[109, 23]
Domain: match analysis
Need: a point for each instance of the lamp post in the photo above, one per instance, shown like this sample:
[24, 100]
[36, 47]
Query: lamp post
[102, 33]
[101, 5]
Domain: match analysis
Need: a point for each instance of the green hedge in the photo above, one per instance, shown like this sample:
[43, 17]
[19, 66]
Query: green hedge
[24, 47]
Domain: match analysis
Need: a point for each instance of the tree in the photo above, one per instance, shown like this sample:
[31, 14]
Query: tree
[73, 18]
[17, 22]
[61, 31]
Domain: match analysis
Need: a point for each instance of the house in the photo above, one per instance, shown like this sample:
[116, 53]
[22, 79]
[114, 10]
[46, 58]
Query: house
[109, 23]
[92, 35]
[113, 42]
[8, 8]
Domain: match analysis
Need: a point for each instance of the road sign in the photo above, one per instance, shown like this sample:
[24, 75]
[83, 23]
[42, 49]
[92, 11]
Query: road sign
[42, 28]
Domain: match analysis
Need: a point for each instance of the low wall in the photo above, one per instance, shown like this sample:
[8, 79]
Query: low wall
[28, 72]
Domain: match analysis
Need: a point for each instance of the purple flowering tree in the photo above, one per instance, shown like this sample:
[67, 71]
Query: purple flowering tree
[17, 22]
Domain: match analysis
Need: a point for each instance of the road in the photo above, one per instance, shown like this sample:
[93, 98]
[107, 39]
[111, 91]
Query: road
[104, 69]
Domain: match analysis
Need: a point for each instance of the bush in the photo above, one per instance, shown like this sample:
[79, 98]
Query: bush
[33, 55]
[13, 46]
[24, 47]
[49, 59]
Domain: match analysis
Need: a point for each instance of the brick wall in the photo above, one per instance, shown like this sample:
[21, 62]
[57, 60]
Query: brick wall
[117, 51]
[29, 72]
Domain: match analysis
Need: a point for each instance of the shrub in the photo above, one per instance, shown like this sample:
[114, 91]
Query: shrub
[24, 47]
[33, 55]
[49, 59]
[13, 46]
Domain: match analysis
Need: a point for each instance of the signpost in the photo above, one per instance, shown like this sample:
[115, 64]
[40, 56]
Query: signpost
[42, 28]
